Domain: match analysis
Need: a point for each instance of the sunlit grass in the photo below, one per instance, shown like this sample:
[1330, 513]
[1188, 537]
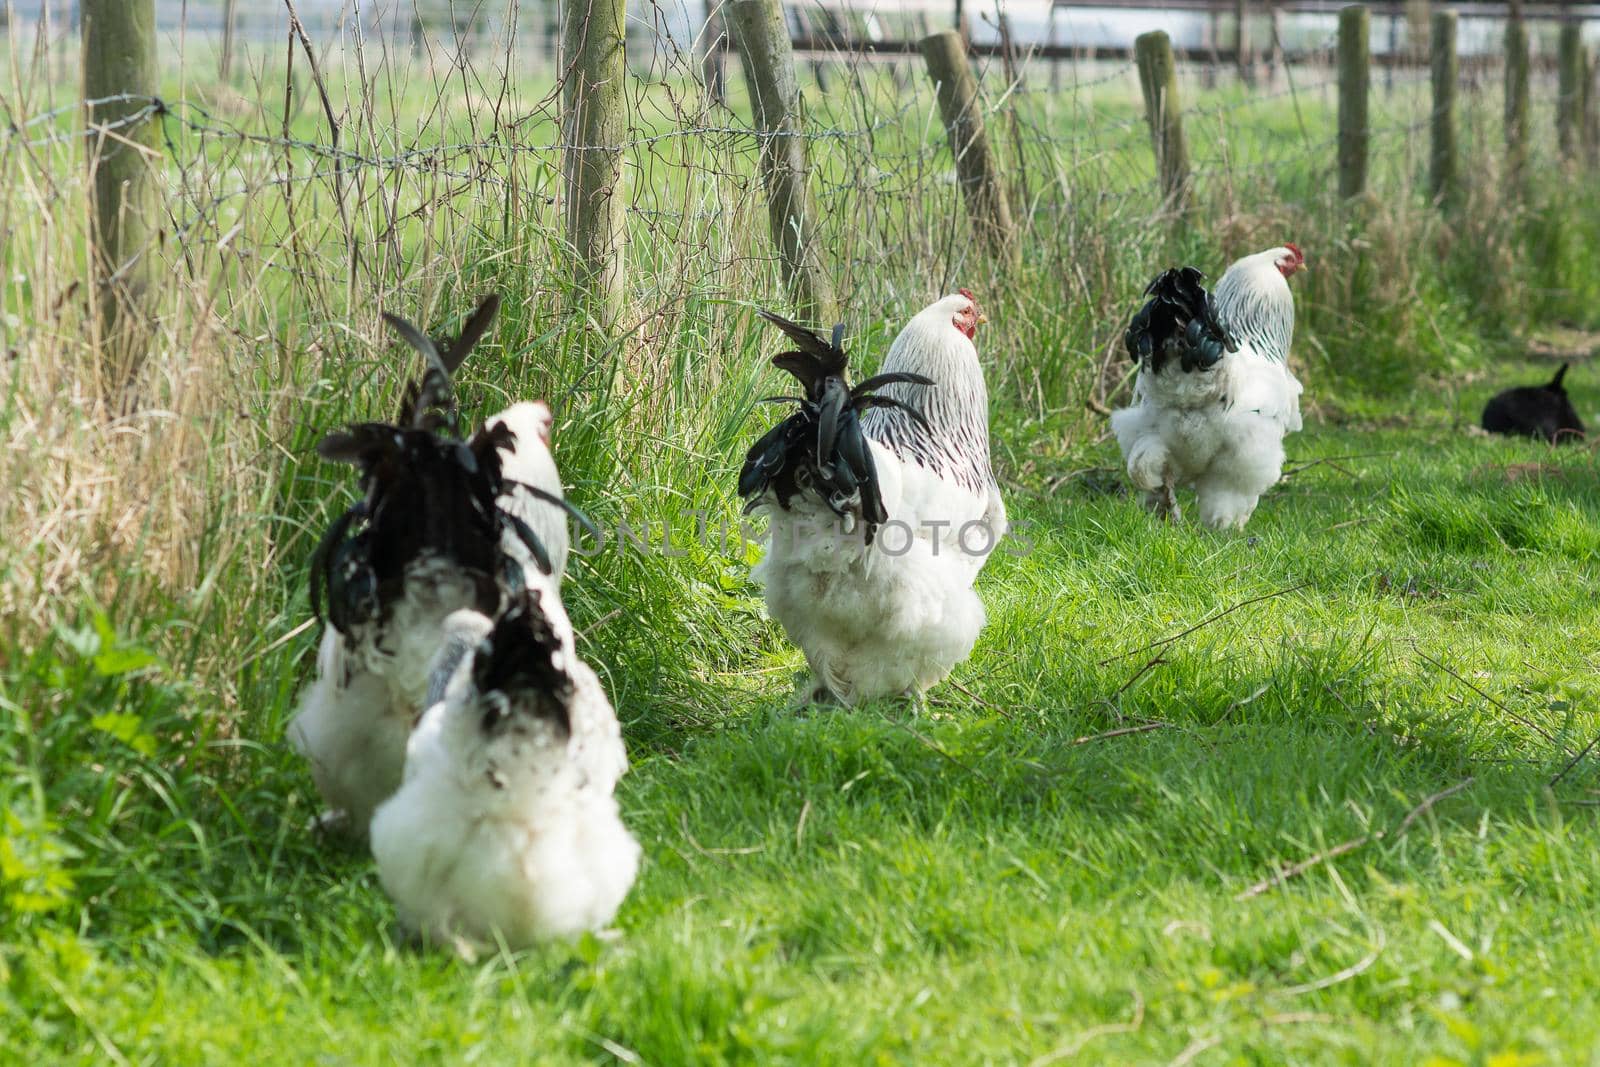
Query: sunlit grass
[1047, 865]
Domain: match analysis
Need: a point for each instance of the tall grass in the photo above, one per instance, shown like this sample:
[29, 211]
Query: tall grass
[154, 563]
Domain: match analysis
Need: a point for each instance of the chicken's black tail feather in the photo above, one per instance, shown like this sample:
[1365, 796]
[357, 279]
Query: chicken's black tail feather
[520, 661]
[429, 403]
[1179, 321]
[821, 447]
[426, 493]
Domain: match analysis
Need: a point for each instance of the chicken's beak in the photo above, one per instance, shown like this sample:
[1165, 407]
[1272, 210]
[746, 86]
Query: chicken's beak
[982, 318]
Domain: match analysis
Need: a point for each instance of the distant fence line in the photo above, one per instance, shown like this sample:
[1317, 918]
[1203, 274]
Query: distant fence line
[983, 138]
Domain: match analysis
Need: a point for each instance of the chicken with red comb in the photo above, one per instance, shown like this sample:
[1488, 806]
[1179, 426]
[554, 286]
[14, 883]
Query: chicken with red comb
[1214, 397]
[883, 507]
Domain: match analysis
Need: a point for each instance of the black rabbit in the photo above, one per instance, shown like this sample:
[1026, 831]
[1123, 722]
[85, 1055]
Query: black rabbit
[1539, 411]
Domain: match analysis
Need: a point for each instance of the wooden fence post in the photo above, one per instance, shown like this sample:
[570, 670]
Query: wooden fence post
[230, 18]
[1015, 88]
[1355, 28]
[762, 39]
[946, 56]
[1158, 77]
[809, 31]
[1445, 73]
[120, 79]
[1591, 108]
[1569, 92]
[1516, 94]
[1055, 62]
[1243, 53]
[593, 128]
[712, 66]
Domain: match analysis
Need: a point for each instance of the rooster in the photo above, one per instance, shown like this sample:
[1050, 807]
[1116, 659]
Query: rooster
[444, 523]
[883, 507]
[1215, 396]
[505, 827]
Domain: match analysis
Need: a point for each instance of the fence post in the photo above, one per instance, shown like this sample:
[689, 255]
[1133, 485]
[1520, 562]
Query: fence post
[1055, 60]
[119, 60]
[808, 30]
[1516, 94]
[1243, 54]
[1591, 108]
[762, 39]
[946, 56]
[592, 129]
[1158, 77]
[1445, 73]
[230, 16]
[1569, 92]
[712, 68]
[1355, 28]
[1014, 88]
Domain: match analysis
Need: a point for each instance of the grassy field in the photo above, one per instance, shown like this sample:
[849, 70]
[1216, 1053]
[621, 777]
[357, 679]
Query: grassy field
[1317, 793]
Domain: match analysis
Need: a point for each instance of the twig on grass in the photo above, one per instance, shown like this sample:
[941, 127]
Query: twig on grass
[975, 698]
[1203, 623]
[1194, 1048]
[1073, 1047]
[1140, 673]
[1142, 728]
[1336, 977]
[1524, 720]
[1334, 461]
[930, 743]
[1575, 760]
[1282, 876]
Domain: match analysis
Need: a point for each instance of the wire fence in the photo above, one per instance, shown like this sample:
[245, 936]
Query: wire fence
[403, 168]
[295, 200]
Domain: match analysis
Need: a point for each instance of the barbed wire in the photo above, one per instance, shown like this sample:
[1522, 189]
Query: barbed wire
[876, 141]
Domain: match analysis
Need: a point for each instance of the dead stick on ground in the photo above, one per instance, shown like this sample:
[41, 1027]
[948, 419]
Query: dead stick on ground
[979, 700]
[1123, 732]
[1277, 879]
[1202, 624]
[1524, 720]
[1575, 760]
[1140, 673]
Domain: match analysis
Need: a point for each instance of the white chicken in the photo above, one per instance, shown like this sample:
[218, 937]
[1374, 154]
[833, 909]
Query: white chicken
[505, 828]
[1214, 396]
[883, 508]
[443, 524]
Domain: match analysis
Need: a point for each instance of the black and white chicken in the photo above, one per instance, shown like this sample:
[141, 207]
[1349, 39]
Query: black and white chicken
[443, 524]
[883, 507]
[505, 828]
[1215, 396]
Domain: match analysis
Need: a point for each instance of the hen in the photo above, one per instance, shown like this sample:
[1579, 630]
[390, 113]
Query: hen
[1543, 412]
[1214, 397]
[883, 507]
[443, 523]
[505, 828]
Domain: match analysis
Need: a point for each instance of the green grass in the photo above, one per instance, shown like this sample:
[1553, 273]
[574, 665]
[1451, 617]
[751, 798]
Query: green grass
[1045, 868]
[972, 886]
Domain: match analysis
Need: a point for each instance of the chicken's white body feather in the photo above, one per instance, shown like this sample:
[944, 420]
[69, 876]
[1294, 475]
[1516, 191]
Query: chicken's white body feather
[1220, 431]
[513, 836]
[532, 464]
[894, 617]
